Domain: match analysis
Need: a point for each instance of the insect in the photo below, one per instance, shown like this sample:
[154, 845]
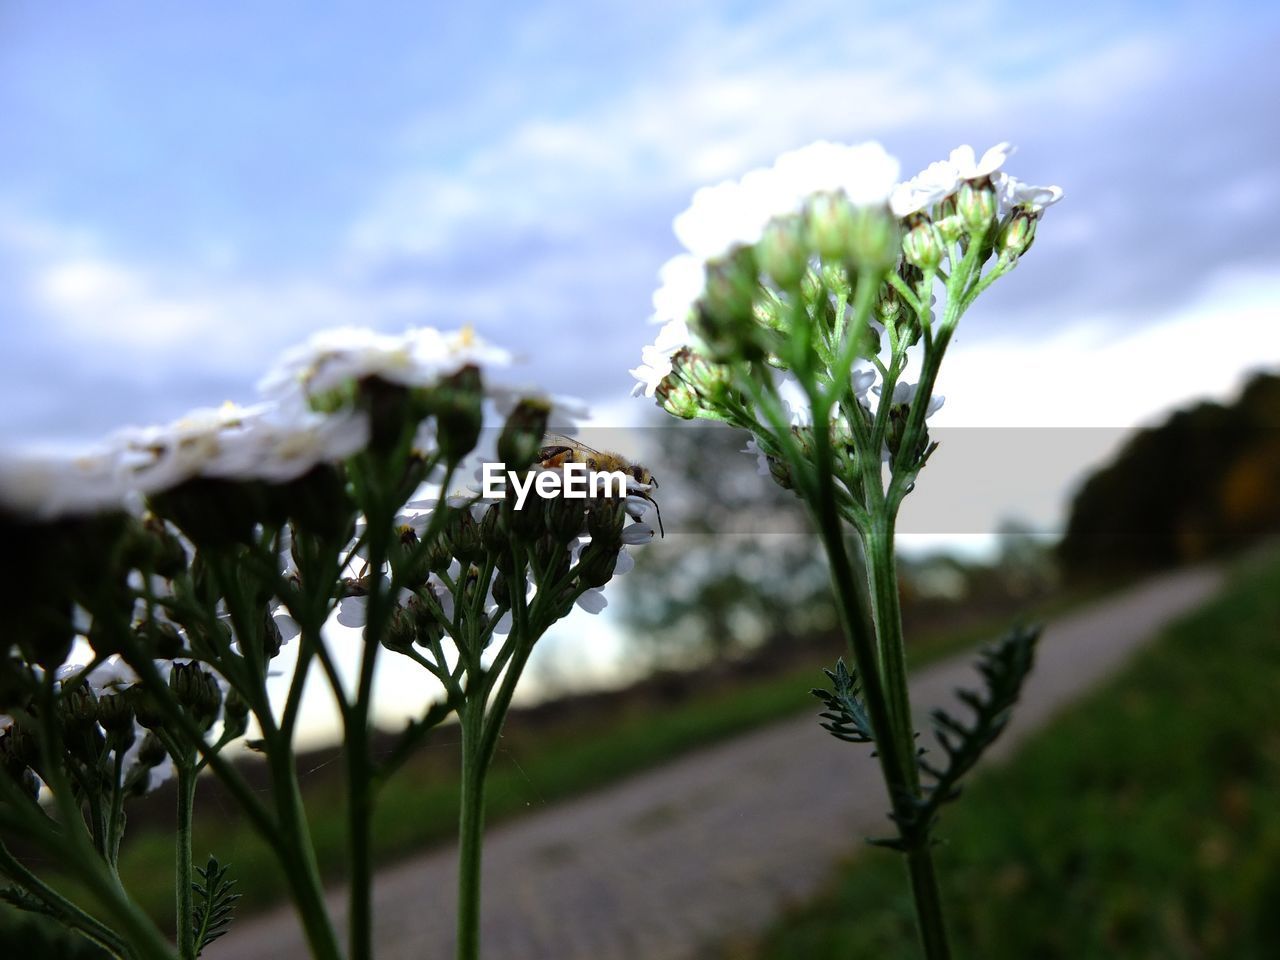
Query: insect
[557, 450]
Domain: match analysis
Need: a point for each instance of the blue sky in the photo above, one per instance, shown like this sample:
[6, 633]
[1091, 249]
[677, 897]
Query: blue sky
[185, 189]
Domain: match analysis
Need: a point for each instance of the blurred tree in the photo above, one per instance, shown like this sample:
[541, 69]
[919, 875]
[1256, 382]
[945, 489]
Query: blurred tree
[1204, 481]
[739, 567]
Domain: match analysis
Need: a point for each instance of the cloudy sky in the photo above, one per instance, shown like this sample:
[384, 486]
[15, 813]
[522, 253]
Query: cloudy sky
[186, 189]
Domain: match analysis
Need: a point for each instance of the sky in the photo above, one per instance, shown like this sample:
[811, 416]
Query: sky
[185, 190]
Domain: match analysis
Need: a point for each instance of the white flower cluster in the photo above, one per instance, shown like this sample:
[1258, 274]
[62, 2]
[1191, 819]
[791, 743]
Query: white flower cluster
[735, 214]
[276, 441]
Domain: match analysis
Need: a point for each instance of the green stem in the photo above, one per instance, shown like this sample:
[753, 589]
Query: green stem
[185, 914]
[63, 909]
[470, 832]
[928, 901]
[297, 855]
[882, 580]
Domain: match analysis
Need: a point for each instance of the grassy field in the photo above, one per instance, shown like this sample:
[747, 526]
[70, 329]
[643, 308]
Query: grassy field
[1145, 823]
[418, 808]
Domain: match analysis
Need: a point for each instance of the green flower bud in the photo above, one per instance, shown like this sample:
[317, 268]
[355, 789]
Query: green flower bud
[115, 712]
[732, 284]
[552, 557]
[494, 534]
[464, 537]
[145, 708]
[605, 520]
[235, 714]
[167, 555]
[501, 590]
[677, 398]
[522, 434]
[830, 221]
[710, 381]
[196, 692]
[566, 519]
[401, 632]
[783, 251]
[529, 522]
[429, 628]
[79, 705]
[596, 564]
[876, 243]
[976, 205]
[457, 404]
[922, 245]
[1016, 235]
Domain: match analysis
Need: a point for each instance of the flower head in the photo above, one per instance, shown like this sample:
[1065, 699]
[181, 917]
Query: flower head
[416, 358]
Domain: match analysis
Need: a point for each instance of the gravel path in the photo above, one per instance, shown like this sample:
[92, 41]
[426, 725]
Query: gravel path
[712, 845]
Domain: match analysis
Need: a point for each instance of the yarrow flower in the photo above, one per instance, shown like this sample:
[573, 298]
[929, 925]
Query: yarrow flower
[416, 358]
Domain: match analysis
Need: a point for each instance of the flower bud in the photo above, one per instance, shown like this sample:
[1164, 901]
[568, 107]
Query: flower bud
[115, 713]
[605, 519]
[1016, 235]
[732, 283]
[521, 437]
[457, 404]
[596, 563]
[500, 590]
[552, 558]
[79, 705]
[427, 623]
[710, 381]
[875, 244]
[529, 522]
[401, 631]
[235, 714]
[566, 519]
[922, 245]
[677, 398]
[830, 218]
[976, 205]
[168, 556]
[495, 536]
[464, 537]
[864, 237]
[145, 708]
[197, 692]
[783, 251]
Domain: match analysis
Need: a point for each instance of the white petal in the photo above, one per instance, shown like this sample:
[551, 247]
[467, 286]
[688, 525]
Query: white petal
[353, 611]
[592, 601]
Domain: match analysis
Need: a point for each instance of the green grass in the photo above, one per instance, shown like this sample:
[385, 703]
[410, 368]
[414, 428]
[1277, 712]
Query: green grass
[418, 808]
[1144, 823]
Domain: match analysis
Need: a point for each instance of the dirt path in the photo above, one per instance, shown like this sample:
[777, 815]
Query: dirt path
[712, 845]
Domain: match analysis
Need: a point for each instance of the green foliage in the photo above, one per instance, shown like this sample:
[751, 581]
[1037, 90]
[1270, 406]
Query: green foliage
[1004, 666]
[215, 902]
[1143, 824]
[846, 715]
[1201, 482]
[38, 936]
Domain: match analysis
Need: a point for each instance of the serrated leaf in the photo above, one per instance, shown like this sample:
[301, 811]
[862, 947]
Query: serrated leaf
[214, 903]
[1004, 667]
[846, 714]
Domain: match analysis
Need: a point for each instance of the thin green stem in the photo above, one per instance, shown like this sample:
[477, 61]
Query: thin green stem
[470, 833]
[928, 902]
[63, 909]
[883, 584]
[185, 913]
